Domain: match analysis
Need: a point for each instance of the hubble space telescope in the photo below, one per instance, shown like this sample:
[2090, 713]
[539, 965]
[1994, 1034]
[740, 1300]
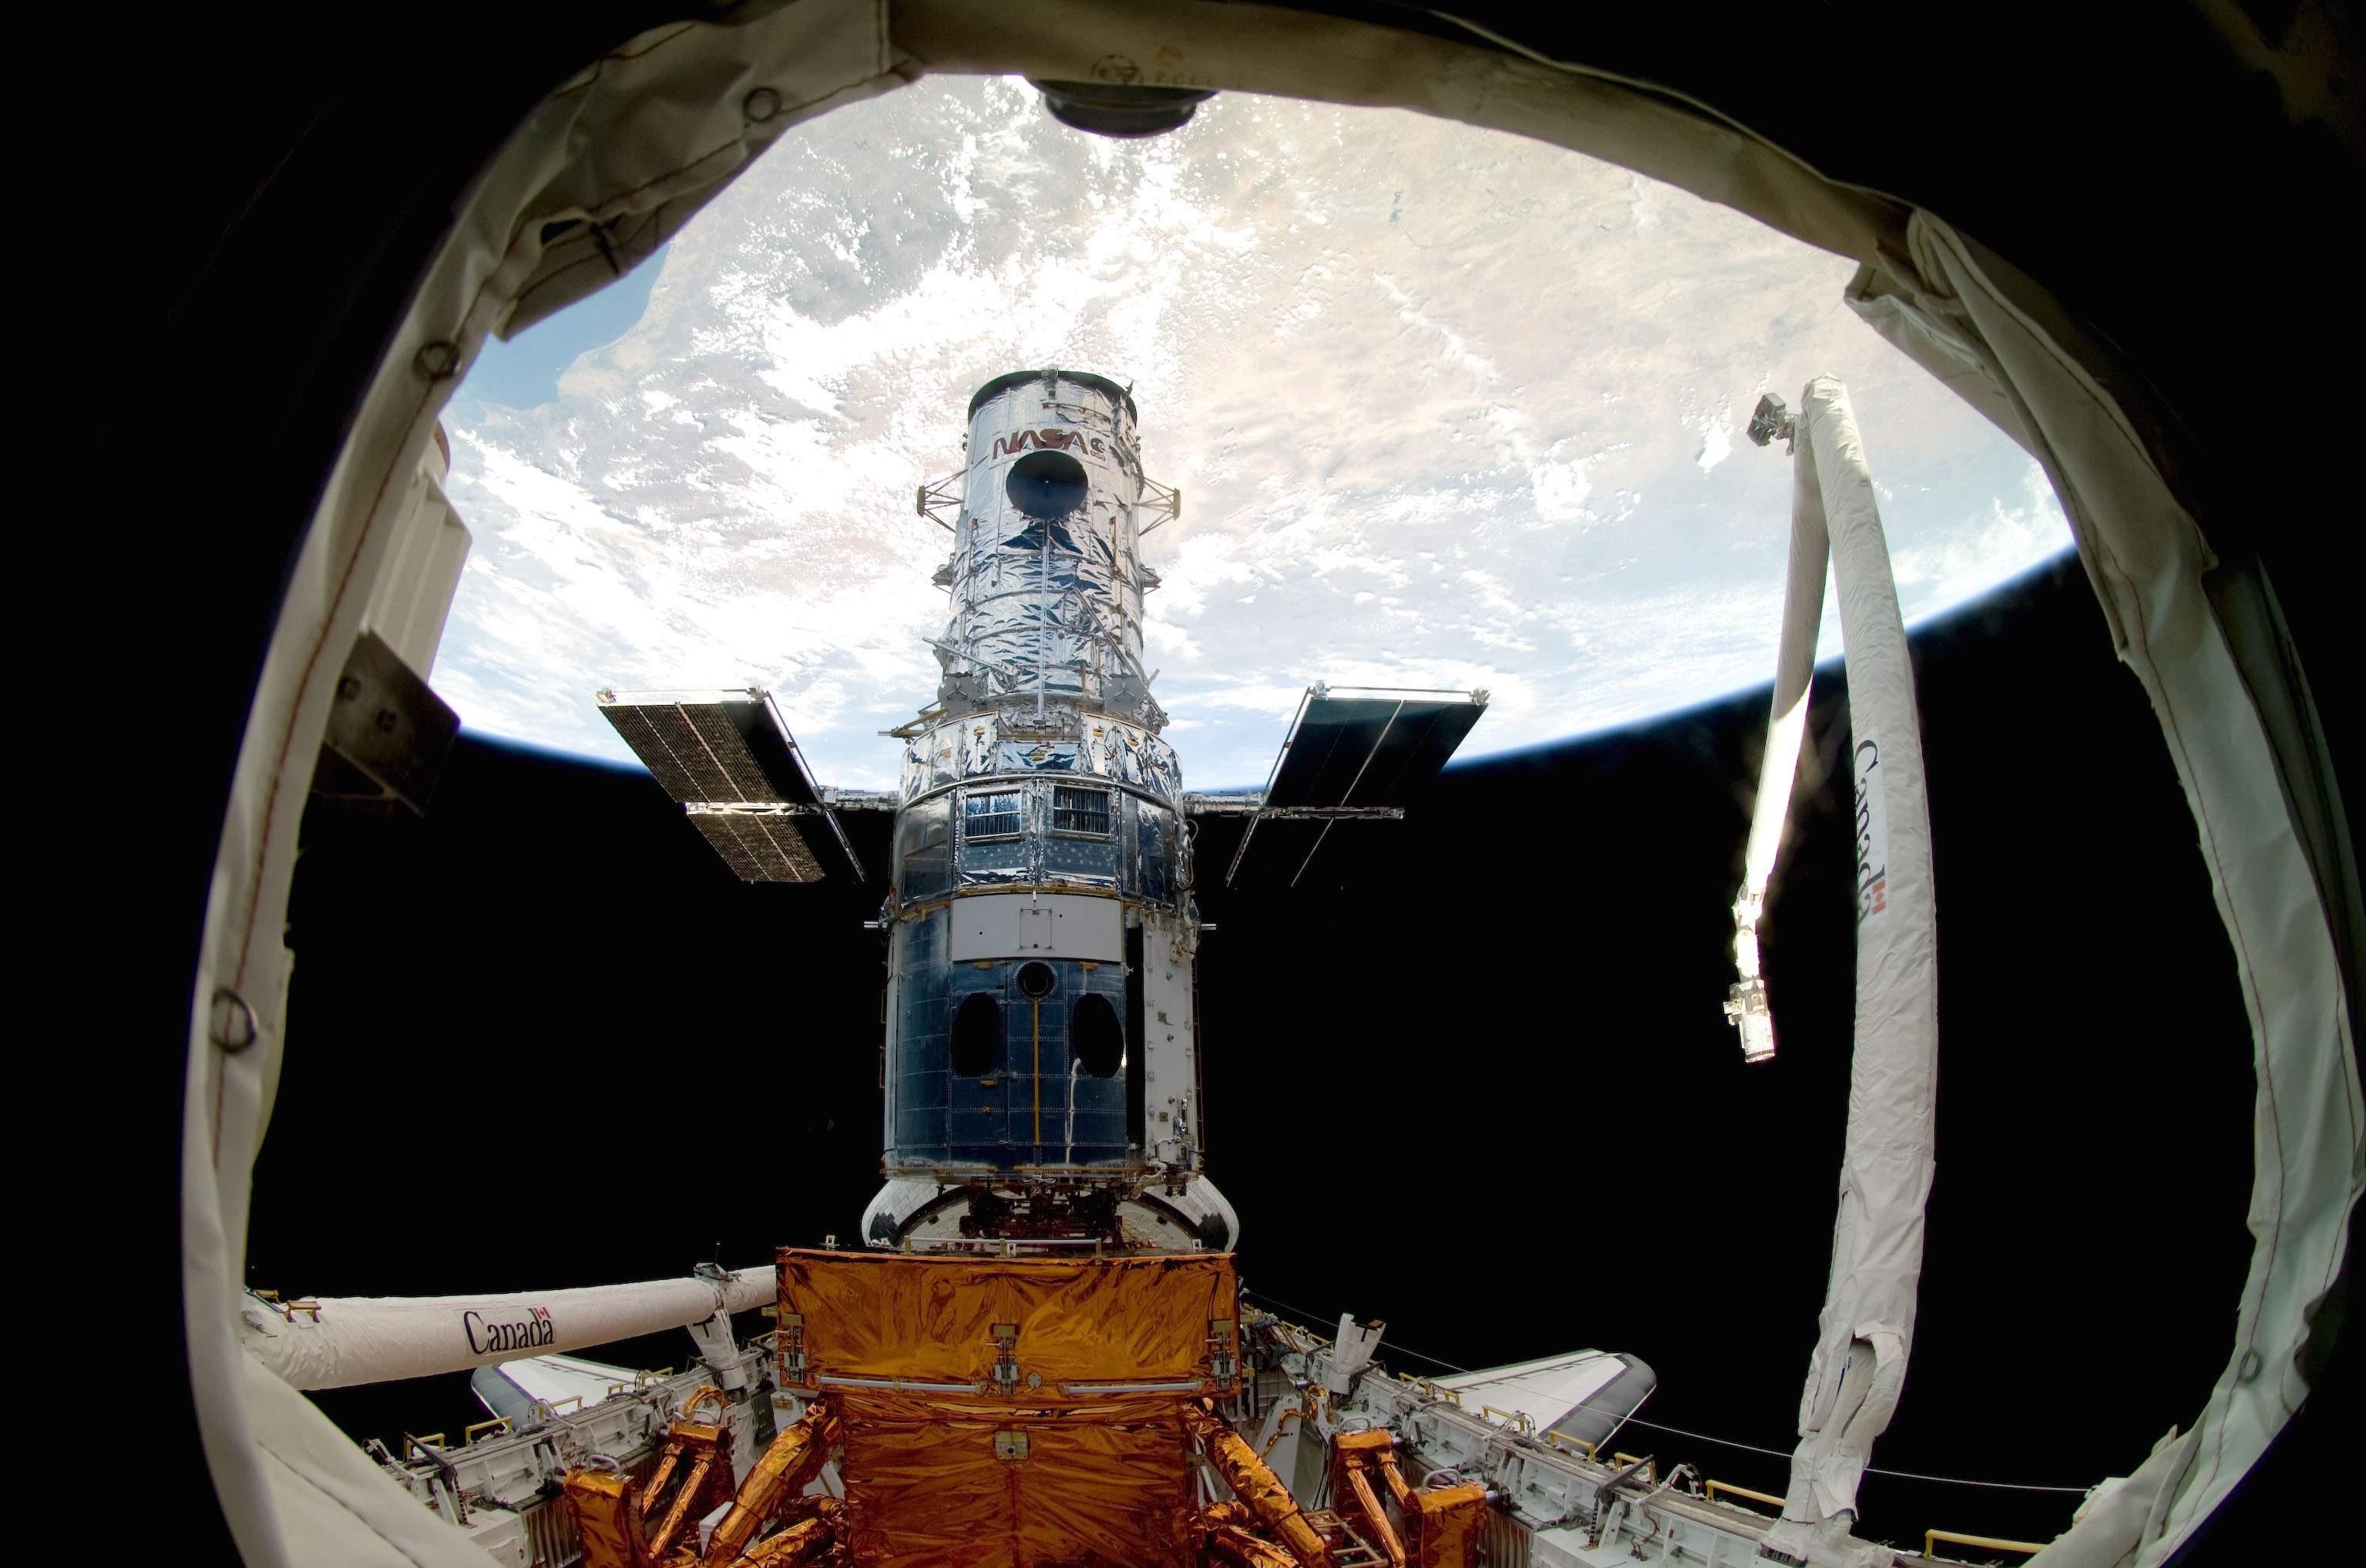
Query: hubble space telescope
[1041, 1068]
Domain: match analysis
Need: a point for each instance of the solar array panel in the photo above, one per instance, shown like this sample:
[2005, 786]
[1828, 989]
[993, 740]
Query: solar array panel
[760, 845]
[1359, 753]
[725, 755]
[710, 746]
[1368, 751]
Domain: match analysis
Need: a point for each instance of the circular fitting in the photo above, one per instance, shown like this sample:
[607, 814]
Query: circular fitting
[1036, 980]
[437, 361]
[761, 105]
[229, 1021]
[1112, 105]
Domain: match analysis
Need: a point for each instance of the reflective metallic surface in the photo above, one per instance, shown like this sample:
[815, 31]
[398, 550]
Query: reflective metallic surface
[1041, 832]
[1050, 606]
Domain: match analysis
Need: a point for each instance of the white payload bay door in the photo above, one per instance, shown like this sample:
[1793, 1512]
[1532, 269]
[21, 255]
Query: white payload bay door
[1044, 925]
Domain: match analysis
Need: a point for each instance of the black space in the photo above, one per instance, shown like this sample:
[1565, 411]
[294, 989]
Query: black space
[1472, 1076]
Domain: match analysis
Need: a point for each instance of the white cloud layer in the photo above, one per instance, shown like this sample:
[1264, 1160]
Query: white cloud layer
[1447, 407]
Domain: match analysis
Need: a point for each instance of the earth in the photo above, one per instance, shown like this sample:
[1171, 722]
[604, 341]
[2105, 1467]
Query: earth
[1447, 409]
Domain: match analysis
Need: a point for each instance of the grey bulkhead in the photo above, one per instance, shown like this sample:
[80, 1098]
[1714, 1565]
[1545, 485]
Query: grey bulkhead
[1040, 857]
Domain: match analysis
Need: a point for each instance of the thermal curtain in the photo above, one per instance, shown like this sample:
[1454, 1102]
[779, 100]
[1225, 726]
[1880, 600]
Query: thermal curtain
[2200, 636]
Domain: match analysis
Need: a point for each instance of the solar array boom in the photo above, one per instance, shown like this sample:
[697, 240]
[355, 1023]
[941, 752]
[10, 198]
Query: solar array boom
[1354, 752]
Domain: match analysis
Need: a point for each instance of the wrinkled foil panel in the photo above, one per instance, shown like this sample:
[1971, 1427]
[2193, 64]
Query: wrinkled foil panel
[1157, 852]
[1054, 756]
[977, 745]
[924, 855]
[963, 748]
[1132, 753]
[1050, 607]
[941, 1471]
[929, 1493]
[930, 1320]
[1159, 769]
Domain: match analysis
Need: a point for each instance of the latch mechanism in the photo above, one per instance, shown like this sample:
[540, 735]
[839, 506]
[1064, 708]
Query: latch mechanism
[789, 1348]
[1005, 1370]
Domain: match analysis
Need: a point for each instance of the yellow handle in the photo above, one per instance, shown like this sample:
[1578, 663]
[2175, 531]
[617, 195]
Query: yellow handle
[1932, 1537]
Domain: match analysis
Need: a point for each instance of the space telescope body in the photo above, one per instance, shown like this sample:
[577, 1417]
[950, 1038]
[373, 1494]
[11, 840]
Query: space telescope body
[1041, 932]
[1042, 1081]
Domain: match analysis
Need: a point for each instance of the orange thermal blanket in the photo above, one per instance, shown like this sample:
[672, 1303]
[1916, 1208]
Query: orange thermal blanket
[971, 1439]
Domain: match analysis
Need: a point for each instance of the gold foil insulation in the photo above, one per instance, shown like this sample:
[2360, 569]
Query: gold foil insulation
[794, 1460]
[1006, 1411]
[1259, 1489]
[1081, 1323]
[1445, 1524]
[964, 1485]
[607, 1510]
[1013, 1413]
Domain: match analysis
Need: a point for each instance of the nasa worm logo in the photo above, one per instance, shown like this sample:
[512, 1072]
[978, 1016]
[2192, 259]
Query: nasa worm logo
[499, 1338]
[1052, 439]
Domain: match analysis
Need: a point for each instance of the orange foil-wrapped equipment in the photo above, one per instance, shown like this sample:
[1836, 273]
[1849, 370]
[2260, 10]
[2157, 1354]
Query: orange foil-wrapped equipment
[1024, 1488]
[1015, 1412]
[1446, 1524]
[1078, 1330]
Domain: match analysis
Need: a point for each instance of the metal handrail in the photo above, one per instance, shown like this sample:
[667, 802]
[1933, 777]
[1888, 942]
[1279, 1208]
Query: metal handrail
[1930, 1539]
[1554, 1440]
[469, 1434]
[1520, 1419]
[1650, 1471]
[287, 1309]
[1731, 1490]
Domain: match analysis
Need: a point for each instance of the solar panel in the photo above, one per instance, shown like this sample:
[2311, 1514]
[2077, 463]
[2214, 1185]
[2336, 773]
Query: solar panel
[1355, 752]
[1368, 751]
[762, 844]
[708, 746]
[719, 753]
